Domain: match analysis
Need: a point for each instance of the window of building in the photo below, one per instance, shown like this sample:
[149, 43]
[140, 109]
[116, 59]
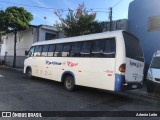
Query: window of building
[45, 50]
[50, 36]
[58, 50]
[66, 49]
[75, 49]
[154, 23]
[51, 50]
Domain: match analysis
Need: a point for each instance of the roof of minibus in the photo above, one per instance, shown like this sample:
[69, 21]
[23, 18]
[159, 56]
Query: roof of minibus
[109, 34]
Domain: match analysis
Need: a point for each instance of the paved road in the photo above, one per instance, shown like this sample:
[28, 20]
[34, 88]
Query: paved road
[18, 93]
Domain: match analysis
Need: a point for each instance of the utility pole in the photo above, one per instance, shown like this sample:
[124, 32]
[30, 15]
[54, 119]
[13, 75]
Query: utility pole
[110, 18]
[15, 30]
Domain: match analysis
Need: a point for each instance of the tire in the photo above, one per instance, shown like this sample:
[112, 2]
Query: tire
[150, 87]
[29, 73]
[69, 83]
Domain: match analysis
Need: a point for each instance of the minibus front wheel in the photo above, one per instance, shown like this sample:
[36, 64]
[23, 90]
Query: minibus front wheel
[29, 73]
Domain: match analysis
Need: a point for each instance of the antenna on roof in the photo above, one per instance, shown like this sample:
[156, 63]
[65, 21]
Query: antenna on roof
[45, 19]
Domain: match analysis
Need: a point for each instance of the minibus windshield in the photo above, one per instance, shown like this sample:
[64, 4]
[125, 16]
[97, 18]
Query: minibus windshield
[156, 63]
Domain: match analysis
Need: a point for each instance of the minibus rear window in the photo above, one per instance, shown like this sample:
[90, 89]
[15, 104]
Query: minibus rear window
[133, 48]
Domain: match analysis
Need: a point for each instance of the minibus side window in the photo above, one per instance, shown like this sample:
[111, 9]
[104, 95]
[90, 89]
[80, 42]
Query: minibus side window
[31, 52]
[51, 50]
[38, 51]
[58, 50]
[110, 48]
[75, 49]
[97, 48]
[66, 49]
[86, 49]
[45, 50]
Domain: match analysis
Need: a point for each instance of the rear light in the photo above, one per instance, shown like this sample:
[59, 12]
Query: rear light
[125, 84]
[122, 68]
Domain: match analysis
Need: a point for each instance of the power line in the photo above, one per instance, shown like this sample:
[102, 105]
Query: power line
[117, 3]
[40, 7]
[97, 8]
[111, 12]
[97, 11]
[27, 5]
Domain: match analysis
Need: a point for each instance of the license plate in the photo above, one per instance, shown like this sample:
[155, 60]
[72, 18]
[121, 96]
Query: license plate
[134, 86]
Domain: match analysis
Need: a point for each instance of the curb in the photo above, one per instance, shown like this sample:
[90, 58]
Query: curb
[12, 68]
[148, 95]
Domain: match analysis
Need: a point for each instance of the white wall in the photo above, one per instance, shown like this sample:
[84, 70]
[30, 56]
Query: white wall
[24, 41]
[3, 48]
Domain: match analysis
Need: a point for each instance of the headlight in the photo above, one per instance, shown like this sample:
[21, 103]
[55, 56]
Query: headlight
[149, 77]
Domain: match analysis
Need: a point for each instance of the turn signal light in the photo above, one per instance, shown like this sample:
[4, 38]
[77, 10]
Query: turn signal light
[122, 68]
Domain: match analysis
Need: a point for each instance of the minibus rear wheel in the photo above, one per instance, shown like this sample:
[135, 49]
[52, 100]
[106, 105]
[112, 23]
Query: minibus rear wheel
[69, 83]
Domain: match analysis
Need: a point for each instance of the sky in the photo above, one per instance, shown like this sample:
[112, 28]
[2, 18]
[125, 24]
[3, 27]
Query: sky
[45, 8]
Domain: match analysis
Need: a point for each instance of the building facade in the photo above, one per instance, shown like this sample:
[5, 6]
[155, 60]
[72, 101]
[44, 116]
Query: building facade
[40, 33]
[144, 22]
[121, 24]
[24, 41]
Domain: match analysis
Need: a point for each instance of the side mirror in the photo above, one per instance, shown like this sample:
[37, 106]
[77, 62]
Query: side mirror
[26, 52]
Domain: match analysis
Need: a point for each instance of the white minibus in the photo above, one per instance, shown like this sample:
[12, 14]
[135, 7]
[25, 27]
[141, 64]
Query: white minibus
[109, 60]
[153, 75]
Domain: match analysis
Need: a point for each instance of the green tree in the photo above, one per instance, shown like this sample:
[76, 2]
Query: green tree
[2, 21]
[14, 19]
[78, 22]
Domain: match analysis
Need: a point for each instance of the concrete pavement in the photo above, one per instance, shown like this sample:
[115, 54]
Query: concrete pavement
[143, 92]
[139, 92]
